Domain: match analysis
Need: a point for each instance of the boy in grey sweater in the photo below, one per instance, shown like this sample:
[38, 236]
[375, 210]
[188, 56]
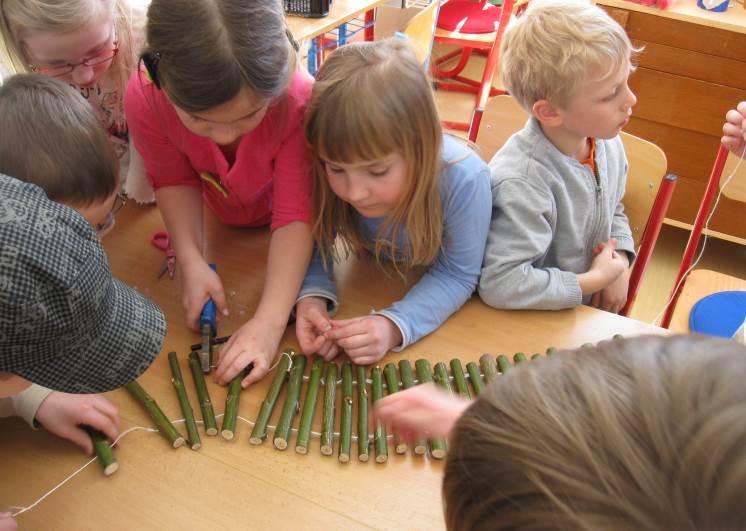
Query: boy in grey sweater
[559, 236]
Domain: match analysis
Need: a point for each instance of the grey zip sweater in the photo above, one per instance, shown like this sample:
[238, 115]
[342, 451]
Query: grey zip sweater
[548, 212]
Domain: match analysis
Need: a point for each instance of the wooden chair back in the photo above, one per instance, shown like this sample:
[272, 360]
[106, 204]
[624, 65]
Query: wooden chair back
[421, 30]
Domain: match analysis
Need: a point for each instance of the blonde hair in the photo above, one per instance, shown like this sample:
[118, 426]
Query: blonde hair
[369, 101]
[644, 434]
[51, 137]
[20, 17]
[555, 46]
[207, 51]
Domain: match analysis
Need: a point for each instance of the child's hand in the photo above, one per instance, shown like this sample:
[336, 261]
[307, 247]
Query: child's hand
[365, 339]
[63, 413]
[7, 522]
[422, 410]
[614, 296]
[198, 284]
[254, 343]
[733, 129]
[311, 321]
[608, 264]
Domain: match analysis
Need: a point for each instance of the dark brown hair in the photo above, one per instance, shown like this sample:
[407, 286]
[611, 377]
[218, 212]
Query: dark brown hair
[209, 50]
[644, 434]
[51, 137]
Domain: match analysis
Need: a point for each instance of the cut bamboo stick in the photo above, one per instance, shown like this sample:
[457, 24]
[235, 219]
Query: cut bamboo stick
[228, 429]
[159, 417]
[382, 450]
[475, 377]
[488, 366]
[441, 377]
[290, 408]
[345, 428]
[177, 380]
[519, 357]
[309, 406]
[259, 432]
[203, 396]
[330, 406]
[425, 375]
[104, 451]
[407, 382]
[363, 444]
[551, 351]
[503, 363]
[459, 379]
[535, 356]
[392, 385]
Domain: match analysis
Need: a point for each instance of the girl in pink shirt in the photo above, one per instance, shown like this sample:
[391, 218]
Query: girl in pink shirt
[219, 119]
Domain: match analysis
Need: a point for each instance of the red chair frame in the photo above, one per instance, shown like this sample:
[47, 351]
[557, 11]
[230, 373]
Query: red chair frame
[483, 89]
[713, 184]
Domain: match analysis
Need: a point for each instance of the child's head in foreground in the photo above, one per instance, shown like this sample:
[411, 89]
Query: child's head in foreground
[569, 58]
[52, 138]
[645, 434]
[376, 143]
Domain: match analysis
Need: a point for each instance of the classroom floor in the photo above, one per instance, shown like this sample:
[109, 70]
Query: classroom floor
[722, 256]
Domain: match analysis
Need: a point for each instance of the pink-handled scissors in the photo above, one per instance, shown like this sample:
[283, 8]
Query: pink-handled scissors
[161, 240]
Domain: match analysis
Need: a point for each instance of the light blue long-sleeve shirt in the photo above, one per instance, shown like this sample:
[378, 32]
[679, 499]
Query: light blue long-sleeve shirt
[452, 278]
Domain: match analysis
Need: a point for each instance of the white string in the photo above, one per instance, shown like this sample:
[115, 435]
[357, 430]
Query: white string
[290, 365]
[704, 240]
[22, 510]
[78, 471]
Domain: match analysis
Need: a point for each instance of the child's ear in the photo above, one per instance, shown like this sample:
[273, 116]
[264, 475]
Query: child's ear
[547, 114]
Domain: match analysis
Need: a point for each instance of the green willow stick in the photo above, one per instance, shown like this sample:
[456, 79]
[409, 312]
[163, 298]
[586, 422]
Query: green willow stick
[363, 444]
[345, 428]
[381, 443]
[425, 375]
[489, 368]
[309, 406]
[290, 408]
[230, 415]
[475, 377]
[519, 357]
[259, 432]
[159, 417]
[392, 385]
[104, 451]
[535, 356]
[186, 408]
[407, 382]
[551, 351]
[330, 406]
[460, 379]
[441, 377]
[203, 396]
[504, 363]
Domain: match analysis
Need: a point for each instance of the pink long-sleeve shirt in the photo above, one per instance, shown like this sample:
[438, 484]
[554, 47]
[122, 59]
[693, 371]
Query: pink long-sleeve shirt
[270, 179]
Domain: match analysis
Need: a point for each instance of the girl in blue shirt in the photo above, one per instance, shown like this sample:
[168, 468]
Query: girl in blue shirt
[387, 181]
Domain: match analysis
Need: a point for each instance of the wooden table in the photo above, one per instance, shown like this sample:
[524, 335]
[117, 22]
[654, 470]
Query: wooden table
[700, 283]
[233, 485]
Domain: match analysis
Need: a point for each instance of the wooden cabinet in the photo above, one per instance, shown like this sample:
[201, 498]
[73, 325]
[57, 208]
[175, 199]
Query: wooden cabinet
[691, 72]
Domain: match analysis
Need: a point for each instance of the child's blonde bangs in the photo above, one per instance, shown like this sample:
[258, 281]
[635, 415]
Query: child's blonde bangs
[348, 132]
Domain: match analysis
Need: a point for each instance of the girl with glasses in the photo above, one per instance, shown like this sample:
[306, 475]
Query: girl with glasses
[93, 46]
